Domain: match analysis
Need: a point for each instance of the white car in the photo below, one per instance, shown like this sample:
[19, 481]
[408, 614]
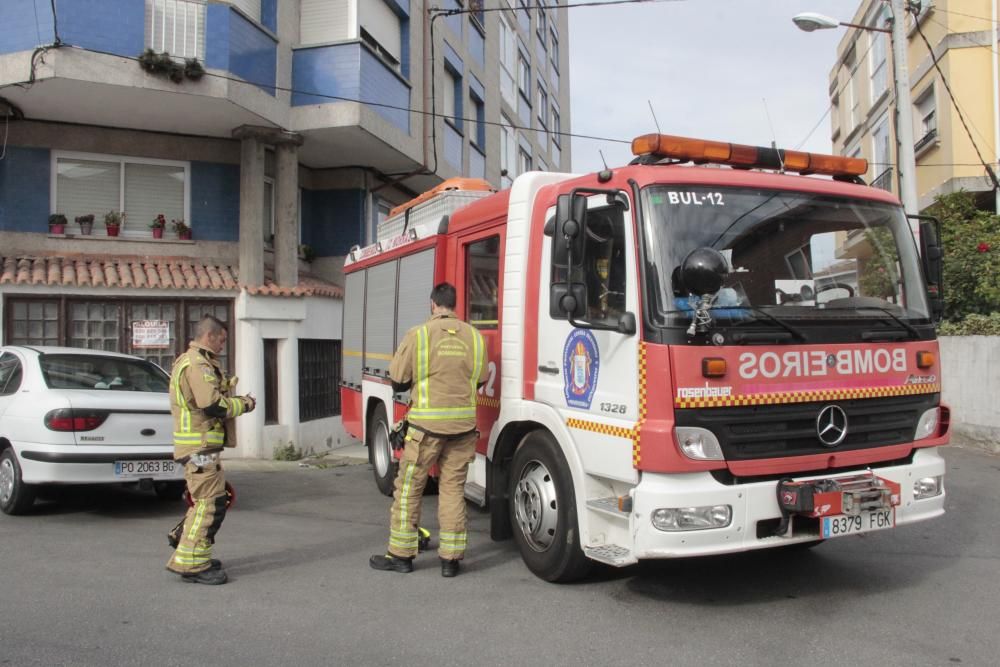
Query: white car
[73, 416]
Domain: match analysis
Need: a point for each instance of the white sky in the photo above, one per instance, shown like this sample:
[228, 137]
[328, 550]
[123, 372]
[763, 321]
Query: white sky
[706, 66]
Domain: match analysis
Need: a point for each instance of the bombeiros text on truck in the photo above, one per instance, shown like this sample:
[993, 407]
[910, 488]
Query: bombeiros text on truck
[683, 359]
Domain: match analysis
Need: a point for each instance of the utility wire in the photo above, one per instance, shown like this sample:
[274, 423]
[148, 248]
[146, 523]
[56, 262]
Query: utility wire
[968, 16]
[598, 3]
[961, 116]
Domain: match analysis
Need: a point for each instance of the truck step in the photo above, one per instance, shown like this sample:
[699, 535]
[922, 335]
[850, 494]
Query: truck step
[610, 554]
[607, 506]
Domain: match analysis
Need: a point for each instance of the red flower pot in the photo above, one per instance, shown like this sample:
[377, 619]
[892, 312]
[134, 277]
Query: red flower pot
[57, 229]
[157, 232]
[113, 231]
[185, 235]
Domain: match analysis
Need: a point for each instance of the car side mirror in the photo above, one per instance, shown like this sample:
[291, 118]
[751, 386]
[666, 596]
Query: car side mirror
[567, 232]
[932, 259]
[567, 301]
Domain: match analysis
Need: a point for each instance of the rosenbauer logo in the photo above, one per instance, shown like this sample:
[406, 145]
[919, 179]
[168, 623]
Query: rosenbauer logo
[818, 363]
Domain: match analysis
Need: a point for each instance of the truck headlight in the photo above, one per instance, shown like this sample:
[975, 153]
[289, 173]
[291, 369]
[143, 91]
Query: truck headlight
[677, 519]
[927, 487]
[927, 427]
[698, 443]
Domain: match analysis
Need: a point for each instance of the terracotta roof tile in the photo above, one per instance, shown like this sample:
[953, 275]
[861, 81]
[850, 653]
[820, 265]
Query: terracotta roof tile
[135, 272]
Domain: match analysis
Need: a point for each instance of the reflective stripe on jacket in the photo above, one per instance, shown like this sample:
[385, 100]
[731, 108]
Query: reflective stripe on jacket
[197, 382]
[445, 359]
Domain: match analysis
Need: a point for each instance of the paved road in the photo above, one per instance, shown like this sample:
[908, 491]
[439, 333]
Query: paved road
[82, 583]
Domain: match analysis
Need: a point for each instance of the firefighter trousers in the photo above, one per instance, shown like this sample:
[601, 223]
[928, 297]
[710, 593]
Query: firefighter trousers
[207, 486]
[453, 457]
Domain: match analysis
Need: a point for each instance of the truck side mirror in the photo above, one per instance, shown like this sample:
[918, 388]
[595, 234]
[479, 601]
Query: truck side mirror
[567, 232]
[932, 258]
[567, 301]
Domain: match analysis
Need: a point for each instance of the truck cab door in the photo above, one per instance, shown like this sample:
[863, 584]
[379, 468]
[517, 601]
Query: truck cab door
[589, 373]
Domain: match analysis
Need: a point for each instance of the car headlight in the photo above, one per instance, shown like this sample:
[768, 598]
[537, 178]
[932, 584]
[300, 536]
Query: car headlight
[677, 519]
[698, 443]
[927, 427]
[927, 487]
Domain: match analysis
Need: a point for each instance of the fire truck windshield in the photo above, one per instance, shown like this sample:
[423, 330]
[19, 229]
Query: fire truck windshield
[793, 257]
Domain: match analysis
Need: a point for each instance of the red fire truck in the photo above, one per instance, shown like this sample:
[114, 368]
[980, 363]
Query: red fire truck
[684, 359]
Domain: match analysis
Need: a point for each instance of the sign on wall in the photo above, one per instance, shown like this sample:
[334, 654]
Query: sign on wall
[150, 334]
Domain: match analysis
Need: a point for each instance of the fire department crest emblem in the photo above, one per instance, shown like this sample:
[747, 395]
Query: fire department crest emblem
[581, 364]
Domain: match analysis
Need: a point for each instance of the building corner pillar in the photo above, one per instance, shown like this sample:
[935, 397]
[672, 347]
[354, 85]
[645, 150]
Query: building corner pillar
[251, 211]
[286, 223]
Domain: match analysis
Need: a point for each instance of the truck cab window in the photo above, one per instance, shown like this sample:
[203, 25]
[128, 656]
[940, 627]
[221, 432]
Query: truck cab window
[603, 269]
[482, 289]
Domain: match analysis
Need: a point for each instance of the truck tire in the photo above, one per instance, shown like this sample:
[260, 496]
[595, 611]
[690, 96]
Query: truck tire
[380, 455]
[16, 497]
[543, 510]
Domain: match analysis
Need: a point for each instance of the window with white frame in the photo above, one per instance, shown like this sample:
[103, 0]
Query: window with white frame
[523, 160]
[452, 96]
[879, 69]
[84, 184]
[881, 160]
[250, 7]
[554, 48]
[543, 106]
[324, 21]
[382, 31]
[524, 76]
[477, 123]
[926, 117]
[177, 27]
[508, 63]
[542, 24]
[508, 148]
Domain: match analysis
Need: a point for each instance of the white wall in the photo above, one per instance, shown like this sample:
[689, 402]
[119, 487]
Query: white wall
[287, 320]
[971, 378]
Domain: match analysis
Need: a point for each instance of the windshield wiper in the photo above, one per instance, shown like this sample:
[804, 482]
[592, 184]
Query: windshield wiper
[795, 332]
[901, 322]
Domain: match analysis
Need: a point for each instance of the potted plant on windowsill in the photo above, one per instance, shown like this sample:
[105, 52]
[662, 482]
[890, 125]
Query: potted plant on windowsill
[113, 221]
[86, 223]
[183, 231]
[159, 222]
[57, 223]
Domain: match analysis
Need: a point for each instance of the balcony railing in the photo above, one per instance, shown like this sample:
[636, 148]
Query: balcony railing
[177, 27]
[884, 180]
[925, 140]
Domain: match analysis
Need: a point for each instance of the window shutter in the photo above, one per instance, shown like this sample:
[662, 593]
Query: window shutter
[87, 187]
[177, 27]
[323, 21]
[250, 7]
[150, 190]
[382, 24]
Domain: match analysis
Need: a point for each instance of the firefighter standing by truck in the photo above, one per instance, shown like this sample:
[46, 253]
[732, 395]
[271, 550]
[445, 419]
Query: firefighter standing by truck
[442, 362]
[204, 412]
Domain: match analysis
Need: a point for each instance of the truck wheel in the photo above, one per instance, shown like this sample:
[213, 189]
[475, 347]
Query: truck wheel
[543, 510]
[15, 496]
[380, 451]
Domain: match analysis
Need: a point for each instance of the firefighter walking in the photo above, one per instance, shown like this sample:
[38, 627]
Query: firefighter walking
[442, 362]
[204, 412]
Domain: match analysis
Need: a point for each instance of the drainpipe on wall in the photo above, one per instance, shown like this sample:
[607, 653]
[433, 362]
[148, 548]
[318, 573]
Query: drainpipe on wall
[996, 98]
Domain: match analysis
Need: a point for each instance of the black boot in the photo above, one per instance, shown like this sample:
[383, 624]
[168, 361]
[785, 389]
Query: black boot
[211, 577]
[390, 563]
[449, 568]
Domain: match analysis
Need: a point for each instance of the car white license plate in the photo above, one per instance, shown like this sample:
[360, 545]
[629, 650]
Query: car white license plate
[845, 524]
[163, 469]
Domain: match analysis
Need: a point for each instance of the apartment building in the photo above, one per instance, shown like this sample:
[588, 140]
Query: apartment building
[280, 132]
[963, 38]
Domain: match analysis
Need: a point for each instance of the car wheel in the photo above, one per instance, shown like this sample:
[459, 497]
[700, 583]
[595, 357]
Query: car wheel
[380, 451]
[15, 496]
[543, 511]
[169, 490]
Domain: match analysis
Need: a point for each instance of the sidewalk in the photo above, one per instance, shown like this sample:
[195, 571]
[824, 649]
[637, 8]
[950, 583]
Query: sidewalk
[352, 455]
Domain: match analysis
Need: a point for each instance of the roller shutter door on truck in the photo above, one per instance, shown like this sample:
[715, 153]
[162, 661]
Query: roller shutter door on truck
[380, 310]
[354, 322]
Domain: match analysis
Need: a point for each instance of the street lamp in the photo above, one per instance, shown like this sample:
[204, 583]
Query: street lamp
[906, 161]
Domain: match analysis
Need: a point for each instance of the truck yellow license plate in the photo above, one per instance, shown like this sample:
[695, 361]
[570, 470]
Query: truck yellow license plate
[845, 524]
[160, 469]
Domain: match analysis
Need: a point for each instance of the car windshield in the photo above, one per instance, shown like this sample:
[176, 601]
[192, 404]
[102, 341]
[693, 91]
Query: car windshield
[81, 371]
[792, 256]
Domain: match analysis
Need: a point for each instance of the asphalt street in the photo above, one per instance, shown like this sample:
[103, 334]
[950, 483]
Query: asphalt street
[82, 583]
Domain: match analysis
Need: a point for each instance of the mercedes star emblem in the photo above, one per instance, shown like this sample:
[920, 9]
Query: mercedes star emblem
[831, 426]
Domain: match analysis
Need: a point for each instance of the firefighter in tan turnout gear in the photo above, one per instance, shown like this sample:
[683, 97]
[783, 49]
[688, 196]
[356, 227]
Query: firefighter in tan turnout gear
[204, 412]
[442, 362]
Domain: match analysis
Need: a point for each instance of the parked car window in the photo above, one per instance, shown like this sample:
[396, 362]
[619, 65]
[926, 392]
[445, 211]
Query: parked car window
[79, 371]
[10, 374]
